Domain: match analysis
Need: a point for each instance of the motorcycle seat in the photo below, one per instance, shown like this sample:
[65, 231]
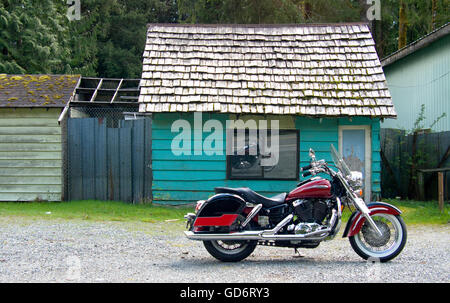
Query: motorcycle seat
[253, 197]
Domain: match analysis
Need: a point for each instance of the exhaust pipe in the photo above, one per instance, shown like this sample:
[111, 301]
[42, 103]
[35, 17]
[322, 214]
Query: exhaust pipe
[264, 234]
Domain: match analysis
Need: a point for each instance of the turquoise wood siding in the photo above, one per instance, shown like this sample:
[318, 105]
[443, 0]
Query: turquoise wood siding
[30, 154]
[421, 78]
[187, 178]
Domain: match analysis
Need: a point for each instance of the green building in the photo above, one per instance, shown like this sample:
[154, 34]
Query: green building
[420, 74]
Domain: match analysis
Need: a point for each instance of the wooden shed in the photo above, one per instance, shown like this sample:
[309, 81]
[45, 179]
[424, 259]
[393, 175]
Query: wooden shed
[31, 147]
[323, 84]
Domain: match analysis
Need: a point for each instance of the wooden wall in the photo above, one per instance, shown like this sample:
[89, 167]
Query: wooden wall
[30, 154]
[185, 179]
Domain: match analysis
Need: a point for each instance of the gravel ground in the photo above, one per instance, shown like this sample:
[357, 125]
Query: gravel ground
[83, 251]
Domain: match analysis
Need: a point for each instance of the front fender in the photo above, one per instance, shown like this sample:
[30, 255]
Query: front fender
[356, 220]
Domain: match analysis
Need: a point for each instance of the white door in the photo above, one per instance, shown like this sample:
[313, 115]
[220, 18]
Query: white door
[355, 147]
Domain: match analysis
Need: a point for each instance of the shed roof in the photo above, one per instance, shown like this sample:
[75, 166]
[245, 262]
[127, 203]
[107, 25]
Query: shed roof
[315, 70]
[36, 90]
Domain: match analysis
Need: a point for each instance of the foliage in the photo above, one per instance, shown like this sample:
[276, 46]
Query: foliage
[33, 36]
[108, 41]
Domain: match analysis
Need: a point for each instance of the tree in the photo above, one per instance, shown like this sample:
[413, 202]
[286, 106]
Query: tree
[33, 36]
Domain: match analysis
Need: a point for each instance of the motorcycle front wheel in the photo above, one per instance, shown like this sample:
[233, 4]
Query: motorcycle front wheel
[230, 251]
[368, 244]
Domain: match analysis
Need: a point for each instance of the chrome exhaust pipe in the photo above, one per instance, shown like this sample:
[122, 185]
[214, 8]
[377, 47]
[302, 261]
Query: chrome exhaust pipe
[257, 235]
[265, 235]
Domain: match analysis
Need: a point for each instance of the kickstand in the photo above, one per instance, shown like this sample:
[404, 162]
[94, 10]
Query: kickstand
[297, 254]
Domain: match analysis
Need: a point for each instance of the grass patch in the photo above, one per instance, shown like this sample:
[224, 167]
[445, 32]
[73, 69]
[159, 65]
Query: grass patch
[94, 210]
[416, 212]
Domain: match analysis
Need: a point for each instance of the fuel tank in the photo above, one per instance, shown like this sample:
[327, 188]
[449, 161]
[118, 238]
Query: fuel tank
[318, 188]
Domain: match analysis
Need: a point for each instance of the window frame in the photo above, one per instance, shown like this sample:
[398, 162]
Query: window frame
[297, 171]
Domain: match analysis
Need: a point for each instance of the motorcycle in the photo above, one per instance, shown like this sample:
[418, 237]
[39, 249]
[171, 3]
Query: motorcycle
[235, 220]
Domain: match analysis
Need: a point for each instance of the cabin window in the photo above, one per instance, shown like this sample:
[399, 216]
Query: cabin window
[252, 155]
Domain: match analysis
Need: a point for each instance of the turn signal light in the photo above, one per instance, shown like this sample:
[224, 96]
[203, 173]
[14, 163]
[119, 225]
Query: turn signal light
[359, 193]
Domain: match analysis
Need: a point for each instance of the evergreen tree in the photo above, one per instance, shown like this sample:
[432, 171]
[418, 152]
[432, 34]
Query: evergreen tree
[33, 36]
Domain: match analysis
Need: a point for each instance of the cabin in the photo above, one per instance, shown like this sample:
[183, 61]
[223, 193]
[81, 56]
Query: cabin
[313, 85]
[31, 138]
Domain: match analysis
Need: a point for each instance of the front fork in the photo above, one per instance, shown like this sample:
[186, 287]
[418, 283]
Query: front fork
[365, 211]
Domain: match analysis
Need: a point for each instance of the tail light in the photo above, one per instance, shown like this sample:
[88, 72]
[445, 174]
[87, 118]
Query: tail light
[199, 205]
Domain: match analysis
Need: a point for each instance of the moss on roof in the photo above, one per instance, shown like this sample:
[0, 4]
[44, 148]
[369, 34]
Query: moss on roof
[36, 90]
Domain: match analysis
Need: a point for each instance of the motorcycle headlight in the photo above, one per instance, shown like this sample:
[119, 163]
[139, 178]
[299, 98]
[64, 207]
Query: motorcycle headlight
[355, 180]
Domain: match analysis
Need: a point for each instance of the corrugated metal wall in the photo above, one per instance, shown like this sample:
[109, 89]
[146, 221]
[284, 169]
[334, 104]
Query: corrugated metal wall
[30, 154]
[421, 78]
[185, 179]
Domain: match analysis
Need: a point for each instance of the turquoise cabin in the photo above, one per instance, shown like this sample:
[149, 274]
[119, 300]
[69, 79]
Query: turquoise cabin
[214, 90]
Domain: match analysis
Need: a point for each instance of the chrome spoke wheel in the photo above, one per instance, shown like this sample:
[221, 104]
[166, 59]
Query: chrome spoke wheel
[369, 244]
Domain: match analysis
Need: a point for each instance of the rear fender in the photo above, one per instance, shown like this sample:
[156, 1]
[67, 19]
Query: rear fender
[356, 220]
[220, 210]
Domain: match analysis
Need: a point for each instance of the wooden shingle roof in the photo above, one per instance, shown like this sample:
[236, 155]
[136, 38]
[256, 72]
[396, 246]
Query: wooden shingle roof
[314, 70]
[36, 90]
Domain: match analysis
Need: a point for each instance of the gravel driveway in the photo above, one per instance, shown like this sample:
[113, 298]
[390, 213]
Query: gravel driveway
[83, 251]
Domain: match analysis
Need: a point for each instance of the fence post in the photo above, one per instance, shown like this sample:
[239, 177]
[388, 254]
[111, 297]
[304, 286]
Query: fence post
[421, 186]
[441, 190]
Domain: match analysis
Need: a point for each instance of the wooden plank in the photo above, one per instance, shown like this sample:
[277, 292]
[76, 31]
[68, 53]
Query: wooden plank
[316, 146]
[29, 121]
[206, 185]
[168, 155]
[30, 188]
[188, 175]
[30, 163]
[113, 159]
[30, 130]
[30, 139]
[125, 179]
[30, 171]
[165, 144]
[148, 158]
[40, 196]
[101, 172]
[74, 167]
[88, 145]
[27, 155]
[138, 162]
[189, 165]
[41, 180]
[30, 147]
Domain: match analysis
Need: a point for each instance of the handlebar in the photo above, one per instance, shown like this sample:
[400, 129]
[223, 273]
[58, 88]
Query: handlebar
[308, 167]
[306, 174]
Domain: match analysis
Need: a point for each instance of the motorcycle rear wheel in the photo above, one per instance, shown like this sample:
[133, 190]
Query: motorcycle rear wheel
[368, 245]
[230, 251]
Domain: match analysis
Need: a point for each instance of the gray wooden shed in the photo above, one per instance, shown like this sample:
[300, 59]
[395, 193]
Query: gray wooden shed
[31, 143]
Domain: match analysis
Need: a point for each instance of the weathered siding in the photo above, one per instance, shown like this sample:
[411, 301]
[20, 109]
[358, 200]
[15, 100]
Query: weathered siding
[185, 179]
[421, 78]
[30, 154]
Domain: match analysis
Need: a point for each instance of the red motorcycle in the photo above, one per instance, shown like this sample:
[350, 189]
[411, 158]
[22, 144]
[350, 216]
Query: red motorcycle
[235, 220]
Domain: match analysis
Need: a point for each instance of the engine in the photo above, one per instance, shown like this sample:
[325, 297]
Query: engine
[310, 215]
